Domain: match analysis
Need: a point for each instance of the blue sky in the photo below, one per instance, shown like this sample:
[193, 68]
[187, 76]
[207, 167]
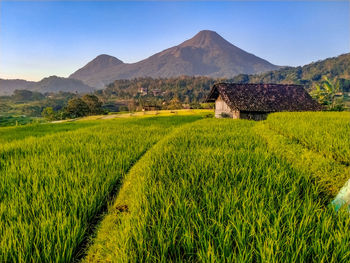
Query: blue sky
[39, 39]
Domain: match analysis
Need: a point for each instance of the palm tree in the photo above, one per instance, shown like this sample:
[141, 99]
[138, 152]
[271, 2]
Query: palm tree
[327, 93]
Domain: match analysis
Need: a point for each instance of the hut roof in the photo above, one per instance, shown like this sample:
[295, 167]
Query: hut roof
[264, 97]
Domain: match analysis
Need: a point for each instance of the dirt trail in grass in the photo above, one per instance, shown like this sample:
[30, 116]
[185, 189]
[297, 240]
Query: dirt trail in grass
[118, 211]
[84, 245]
[54, 184]
[117, 192]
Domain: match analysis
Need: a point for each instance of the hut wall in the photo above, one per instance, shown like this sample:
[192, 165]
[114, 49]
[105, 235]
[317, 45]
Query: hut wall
[223, 110]
[253, 115]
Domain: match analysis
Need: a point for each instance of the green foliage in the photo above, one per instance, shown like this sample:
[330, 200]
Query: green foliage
[30, 110]
[93, 103]
[208, 105]
[27, 95]
[76, 107]
[329, 94]
[80, 107]
[332, 68]
[15, 120]
[174, 104]
[49, 114]
[33, 105]
[186, 89]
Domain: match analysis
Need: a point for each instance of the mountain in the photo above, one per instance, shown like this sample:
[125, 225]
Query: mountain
[206, 54]
[50, 84]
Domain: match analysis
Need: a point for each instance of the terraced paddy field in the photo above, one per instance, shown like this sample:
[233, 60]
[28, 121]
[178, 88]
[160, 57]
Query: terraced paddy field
[178, 188]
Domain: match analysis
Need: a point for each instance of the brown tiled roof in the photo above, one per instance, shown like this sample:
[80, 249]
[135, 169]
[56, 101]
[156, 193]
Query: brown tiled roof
[264, 97]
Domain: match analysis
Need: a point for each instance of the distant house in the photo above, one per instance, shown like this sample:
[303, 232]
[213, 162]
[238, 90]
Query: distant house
[151, 108]
[156, 92]
[255, 101]
[143, 90]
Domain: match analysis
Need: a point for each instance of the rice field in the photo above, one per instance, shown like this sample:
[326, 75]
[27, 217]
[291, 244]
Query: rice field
[55, 178]
[214, 192]
[186, 189]
[325, 132]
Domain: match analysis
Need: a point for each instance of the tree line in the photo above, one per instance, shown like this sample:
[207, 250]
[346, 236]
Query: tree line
[75, 108]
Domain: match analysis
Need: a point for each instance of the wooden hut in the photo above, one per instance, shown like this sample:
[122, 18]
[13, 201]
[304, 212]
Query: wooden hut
[151, 108]
[255, 101]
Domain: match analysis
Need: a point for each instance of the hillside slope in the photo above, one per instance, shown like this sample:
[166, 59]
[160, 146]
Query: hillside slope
[49, 84]
[8, 86]
[336, 67]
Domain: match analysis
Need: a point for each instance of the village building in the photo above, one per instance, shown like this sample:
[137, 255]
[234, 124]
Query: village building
[256, 101]
[156, 92]
[152, 107]
[143, 90]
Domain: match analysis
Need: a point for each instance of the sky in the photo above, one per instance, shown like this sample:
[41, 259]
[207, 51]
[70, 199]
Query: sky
[44, 38]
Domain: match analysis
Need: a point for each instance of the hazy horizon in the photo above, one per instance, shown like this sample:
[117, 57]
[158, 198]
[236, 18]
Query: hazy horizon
[40, 39]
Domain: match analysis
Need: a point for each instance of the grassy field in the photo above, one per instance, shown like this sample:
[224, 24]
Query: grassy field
[214, 192]
[324, 132]
[17, 120]
[54, 179]
[191, 189]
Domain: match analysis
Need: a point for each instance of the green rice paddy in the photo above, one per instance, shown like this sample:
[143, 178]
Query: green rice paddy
[179, 188]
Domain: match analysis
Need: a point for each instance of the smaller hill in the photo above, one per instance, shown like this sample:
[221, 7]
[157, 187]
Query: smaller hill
[333, 68]
[55, 84]
[98, 64]
[49, 84]
[8, 86]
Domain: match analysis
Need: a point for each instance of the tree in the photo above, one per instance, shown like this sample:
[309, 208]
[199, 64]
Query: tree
[94, 104]
[328, 93]
[27, 95]
[76, 107]
[175, 104]
[48, 113]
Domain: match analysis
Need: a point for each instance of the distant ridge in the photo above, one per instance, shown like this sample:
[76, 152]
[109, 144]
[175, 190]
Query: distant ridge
[334, 68]
[50, 84]
[206, 54]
